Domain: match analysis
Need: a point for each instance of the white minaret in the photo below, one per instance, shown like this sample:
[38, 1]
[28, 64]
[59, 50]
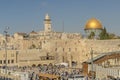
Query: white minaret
[47, 24]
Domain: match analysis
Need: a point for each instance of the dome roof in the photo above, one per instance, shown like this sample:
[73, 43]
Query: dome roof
[93, 23]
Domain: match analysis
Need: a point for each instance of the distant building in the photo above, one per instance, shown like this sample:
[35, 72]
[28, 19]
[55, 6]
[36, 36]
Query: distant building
[48, 46]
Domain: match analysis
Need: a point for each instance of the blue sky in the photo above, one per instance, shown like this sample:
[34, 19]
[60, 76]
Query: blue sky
[28, 15]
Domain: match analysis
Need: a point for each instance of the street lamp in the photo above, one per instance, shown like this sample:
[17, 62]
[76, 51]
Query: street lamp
[6, 34]
[91, 52]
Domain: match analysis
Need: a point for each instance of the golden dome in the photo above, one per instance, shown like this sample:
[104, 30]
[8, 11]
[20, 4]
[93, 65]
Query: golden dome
[93, 23]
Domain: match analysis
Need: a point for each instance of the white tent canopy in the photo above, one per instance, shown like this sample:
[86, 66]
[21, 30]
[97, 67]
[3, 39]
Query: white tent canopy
[64, 64]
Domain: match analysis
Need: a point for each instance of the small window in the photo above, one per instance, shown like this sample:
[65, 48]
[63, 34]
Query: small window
[8, 61]
[12, 61]
[63, 58]
[69, 49]
[55, 49]
[63, 49]
[4, 61]
[47, 58]
[0, 61]
[44, 42]
[48, 28]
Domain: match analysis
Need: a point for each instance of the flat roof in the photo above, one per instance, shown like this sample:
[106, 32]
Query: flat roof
[102, 55]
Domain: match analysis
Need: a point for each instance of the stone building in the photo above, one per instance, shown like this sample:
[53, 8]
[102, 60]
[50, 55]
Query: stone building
[105, 65]
[12, 58]
[48, 46]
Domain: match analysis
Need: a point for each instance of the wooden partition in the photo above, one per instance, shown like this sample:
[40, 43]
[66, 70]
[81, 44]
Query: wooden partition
[45, 76]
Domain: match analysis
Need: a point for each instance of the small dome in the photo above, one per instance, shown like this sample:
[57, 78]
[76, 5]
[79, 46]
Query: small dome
[33, 32]
[93, 23]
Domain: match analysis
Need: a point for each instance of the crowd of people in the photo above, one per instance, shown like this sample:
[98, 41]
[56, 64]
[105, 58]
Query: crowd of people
[32, 73]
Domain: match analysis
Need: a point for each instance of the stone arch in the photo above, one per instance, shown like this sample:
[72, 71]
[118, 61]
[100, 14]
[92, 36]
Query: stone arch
[33, 65]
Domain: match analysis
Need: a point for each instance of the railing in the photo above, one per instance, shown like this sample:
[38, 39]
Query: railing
[9, 77]
[102, 72]
[12, 75]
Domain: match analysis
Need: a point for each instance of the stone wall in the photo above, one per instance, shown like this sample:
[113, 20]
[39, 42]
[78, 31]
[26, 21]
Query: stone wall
[70, 49]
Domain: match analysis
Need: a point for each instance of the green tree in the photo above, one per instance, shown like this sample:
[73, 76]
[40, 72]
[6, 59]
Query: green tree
[113, 36]
[91, 36]
[104, 35]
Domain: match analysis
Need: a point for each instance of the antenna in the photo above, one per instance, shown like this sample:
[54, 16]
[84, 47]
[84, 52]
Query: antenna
[6, 55]
[6, 30]
[63, 26]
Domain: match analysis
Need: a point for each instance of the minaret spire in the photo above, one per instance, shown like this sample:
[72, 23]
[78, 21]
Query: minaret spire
[47, 23]
[47, 16]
